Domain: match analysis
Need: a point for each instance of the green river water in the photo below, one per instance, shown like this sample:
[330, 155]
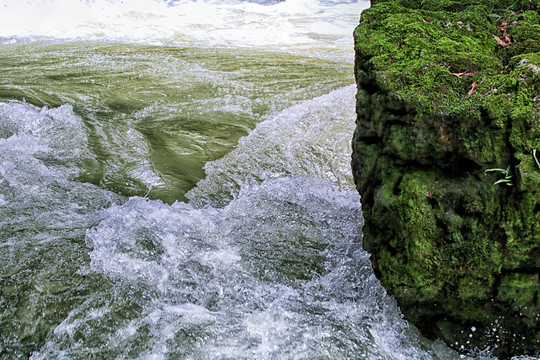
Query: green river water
[164, 198]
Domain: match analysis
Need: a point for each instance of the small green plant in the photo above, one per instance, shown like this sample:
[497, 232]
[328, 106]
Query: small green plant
[507, 180]
[535, 158]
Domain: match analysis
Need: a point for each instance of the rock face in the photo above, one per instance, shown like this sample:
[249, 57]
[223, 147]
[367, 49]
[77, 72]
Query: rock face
[447, 161]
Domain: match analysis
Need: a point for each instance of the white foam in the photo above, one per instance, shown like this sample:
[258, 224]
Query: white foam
[296, 25]
[56, 136]
[311, 138]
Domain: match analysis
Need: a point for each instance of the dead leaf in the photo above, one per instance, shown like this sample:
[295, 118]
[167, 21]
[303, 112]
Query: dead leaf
[503, 41]
[502, 27]
[473, 87]
[507, 39]
[462, 74]
[426, 20]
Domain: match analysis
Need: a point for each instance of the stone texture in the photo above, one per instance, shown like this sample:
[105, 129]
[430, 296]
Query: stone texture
[446, 157]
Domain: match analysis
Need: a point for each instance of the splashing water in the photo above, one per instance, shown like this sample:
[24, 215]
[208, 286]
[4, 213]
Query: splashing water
[175, 184]
[307, 27]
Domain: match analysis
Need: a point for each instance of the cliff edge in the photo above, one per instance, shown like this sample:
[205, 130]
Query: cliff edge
[446, 157]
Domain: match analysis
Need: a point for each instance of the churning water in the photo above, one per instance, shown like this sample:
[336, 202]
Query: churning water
[175, 184]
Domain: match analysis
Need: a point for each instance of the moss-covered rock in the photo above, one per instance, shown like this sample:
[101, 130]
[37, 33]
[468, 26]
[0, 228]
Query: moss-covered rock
[447, 160]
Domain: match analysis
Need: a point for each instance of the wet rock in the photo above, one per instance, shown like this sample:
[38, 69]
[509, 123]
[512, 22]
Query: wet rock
[446, 157]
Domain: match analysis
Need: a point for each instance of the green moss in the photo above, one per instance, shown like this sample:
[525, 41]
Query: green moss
[416, 53]
[427, 219]
[529, 171]
[456, 5]
[440, 101]
[520, 289]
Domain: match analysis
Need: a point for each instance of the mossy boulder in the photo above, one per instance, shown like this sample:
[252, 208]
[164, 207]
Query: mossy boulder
[446, 157]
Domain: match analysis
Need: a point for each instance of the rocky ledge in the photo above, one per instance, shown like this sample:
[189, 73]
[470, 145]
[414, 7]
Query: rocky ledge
[447, 161]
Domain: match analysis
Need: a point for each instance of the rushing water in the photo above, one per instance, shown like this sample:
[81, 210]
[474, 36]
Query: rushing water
[175, 184]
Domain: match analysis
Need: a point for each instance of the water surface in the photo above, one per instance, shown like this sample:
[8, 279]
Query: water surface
[175, 184]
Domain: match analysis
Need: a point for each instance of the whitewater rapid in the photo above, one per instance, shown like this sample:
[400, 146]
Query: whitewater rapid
[175, 184]
[313, 28]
